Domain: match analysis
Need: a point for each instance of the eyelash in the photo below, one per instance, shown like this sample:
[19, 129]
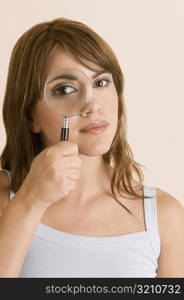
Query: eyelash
[56, 88]
[107, 80]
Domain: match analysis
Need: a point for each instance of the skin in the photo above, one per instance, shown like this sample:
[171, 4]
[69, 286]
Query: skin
[91, 147]
[92, 198]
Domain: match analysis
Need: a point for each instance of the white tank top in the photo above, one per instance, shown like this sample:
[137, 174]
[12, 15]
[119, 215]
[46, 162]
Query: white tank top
[54, 253]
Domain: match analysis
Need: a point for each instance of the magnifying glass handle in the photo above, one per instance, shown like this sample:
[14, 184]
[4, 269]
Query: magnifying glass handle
[65, 130]
[64, 134]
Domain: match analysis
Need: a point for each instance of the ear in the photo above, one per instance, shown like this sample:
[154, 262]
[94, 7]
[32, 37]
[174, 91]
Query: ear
[33, 124]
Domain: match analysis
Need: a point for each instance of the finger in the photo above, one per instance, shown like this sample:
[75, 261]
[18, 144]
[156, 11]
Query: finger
[72, 173]
[68, 148]
[72, 162]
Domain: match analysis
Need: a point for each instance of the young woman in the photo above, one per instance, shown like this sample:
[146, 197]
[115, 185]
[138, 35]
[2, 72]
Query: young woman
[73, 208]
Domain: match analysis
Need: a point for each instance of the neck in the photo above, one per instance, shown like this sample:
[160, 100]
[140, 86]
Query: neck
[94, 180]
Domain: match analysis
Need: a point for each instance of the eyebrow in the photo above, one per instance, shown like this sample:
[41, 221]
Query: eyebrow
[71, 77]
[99, 73]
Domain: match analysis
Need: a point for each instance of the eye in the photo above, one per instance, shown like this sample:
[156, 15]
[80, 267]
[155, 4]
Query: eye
[63, 90]
[102, 82]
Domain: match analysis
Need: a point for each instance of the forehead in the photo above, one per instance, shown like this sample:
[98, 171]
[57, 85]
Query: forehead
[61, 59]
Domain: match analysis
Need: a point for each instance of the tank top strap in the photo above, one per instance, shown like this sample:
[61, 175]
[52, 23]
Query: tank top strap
[11, 194]
[151, 218]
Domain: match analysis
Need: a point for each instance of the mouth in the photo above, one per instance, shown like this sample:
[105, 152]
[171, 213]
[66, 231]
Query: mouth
[95, 130]
[94, 125]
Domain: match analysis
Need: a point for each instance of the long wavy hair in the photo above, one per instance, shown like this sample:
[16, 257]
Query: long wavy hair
[25, 82]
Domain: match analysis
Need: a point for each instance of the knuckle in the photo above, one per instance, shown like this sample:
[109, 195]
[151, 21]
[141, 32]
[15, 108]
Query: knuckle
[79, 161]
[64, 184]
[74, 147]
[73, 184]
[76, 174]
[49, 152]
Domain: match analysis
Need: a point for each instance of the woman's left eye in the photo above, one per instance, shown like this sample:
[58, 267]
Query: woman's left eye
[102, 82]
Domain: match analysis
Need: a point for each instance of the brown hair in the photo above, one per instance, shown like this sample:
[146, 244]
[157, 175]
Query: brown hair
[26, 77]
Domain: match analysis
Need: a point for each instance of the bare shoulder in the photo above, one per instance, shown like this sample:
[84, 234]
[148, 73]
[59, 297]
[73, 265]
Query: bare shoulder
[4, 190]
[169, 209]
[168, 206]
[171, 229]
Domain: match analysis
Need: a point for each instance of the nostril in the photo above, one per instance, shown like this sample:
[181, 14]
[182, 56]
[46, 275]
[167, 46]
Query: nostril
[91, 107]
[83, 114]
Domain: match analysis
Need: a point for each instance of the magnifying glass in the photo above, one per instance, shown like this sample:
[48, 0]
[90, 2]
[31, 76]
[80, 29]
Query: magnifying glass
[67, 92]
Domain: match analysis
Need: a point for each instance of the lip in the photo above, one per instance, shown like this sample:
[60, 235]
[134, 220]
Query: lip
[96, 130]
[100, 124]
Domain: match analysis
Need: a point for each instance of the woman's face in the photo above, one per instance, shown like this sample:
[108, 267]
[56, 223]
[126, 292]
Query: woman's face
[103, 106]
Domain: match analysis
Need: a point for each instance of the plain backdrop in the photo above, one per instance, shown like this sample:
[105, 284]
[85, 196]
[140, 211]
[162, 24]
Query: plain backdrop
[147, 37]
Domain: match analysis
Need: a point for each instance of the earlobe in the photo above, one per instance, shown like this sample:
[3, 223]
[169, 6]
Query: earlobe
[33, 125]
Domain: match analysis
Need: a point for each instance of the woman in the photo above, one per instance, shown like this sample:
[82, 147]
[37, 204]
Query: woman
[76, 210]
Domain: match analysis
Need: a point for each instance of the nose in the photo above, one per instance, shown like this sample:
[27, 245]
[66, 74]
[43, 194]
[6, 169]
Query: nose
[92, 107]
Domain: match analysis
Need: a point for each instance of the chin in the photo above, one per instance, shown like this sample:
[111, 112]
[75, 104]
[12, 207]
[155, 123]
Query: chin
[95, 149]
[95, 145]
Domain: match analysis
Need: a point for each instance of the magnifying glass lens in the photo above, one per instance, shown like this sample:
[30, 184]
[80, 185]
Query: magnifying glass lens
[67, 92]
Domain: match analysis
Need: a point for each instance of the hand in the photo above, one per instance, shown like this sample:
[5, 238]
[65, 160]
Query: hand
[53, 173]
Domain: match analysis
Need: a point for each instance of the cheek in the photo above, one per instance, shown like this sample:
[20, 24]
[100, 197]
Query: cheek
[50, 128]
[111, 108]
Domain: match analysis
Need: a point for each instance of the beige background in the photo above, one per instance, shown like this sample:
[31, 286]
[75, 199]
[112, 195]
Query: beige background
[147, 37]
